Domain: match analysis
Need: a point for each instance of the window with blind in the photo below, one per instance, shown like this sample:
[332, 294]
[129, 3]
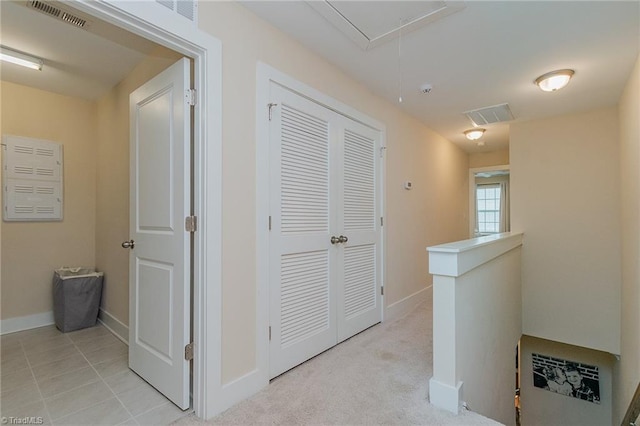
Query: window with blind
[488, 208]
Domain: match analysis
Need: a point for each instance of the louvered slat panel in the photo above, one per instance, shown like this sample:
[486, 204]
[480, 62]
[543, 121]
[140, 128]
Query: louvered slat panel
[45, 152]
[45, 190]
[304, 303]
[23, 170]
[23, 209]
[186, 9]
[40, 171]
[21, 149]
[166, 3]
[359, 279]
[359, 182]
[23, 189]
[304, 172]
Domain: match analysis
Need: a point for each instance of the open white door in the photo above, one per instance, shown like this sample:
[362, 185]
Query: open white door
[159, 271]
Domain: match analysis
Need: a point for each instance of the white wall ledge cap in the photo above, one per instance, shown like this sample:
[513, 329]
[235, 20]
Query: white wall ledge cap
[457, 258]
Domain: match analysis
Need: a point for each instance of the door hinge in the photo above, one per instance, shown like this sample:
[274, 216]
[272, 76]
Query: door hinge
[270, 106]
[269, 333]
[269, 223]
[382, 290]
[192, 96]
[381, 221]
[191, 223]
[382, 150]
[188, 352]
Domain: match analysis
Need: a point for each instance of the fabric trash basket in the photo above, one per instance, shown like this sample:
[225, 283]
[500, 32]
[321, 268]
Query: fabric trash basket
[76, 297]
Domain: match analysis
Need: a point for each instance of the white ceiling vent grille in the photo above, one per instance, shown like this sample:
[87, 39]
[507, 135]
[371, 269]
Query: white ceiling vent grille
[489, 115]
[185, 8]
[73, 20]
[54, 10]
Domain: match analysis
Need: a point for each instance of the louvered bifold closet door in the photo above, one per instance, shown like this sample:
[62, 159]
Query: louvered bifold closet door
[358, 291]
[302, 310]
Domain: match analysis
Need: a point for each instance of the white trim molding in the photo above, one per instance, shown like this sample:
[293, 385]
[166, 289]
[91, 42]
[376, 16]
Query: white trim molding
[403, 306]
[153, 22]
[114, 325]
[445, 396]
[27, 322]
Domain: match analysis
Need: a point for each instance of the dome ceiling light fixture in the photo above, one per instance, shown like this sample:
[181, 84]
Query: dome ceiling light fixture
[474, 134]
[554, 80]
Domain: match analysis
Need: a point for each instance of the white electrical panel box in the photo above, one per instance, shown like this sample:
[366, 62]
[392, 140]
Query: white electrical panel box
[31, 179]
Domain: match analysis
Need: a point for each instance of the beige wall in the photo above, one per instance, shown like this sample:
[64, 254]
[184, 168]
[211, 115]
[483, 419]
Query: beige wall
[32, 250]
[486, 159]
[565, 197]
[627, 372]
[112, 202]
[541, 407]
[433, 212]
[96, 190]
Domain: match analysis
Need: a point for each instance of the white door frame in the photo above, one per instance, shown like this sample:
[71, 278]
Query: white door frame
[151, 21]
[265, 75]
[472, 193]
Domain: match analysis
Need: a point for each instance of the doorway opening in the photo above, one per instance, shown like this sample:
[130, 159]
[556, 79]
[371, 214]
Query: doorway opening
[206, 189]
[489, 201]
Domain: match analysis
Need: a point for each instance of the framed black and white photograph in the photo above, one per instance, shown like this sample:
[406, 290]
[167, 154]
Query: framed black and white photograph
[566, 377]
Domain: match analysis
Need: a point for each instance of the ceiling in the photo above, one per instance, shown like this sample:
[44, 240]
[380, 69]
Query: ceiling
[78, 62]
[483, 54]
[475, 54]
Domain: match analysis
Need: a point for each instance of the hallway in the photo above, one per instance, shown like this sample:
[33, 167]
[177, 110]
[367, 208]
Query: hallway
[379, 376]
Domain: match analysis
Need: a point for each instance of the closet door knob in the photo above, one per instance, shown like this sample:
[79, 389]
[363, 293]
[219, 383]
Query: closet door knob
[335, 240]
[342, 239]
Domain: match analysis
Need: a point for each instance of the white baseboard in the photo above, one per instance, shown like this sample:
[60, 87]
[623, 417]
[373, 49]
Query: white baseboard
[27, 322]
[241, 389]
[114, 325]
[404, 306]
[445, 396]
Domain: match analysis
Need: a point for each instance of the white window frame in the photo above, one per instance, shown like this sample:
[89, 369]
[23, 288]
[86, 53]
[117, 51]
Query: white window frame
[472, 193]
[484, 186]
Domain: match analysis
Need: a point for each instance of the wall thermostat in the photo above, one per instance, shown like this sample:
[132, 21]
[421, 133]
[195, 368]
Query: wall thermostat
[408, 185]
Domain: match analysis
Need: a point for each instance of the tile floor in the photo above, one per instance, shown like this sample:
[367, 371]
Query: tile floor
[80, 378]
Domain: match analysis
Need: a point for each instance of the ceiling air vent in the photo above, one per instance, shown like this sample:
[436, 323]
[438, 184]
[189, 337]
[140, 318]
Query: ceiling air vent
[52, 9]
[45, 8]
[185, 8]
[73, 20]
[489, 115]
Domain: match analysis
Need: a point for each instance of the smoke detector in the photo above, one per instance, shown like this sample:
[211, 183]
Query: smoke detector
[426, 88]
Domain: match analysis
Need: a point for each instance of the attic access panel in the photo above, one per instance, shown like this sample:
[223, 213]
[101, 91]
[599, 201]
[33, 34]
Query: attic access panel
[370, 24]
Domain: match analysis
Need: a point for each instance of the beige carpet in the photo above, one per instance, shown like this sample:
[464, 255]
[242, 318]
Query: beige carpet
[380, 376]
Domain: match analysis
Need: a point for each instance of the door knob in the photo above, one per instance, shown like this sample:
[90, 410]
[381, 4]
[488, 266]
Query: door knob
[342, 239]
[335, 240]
[128, 244]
